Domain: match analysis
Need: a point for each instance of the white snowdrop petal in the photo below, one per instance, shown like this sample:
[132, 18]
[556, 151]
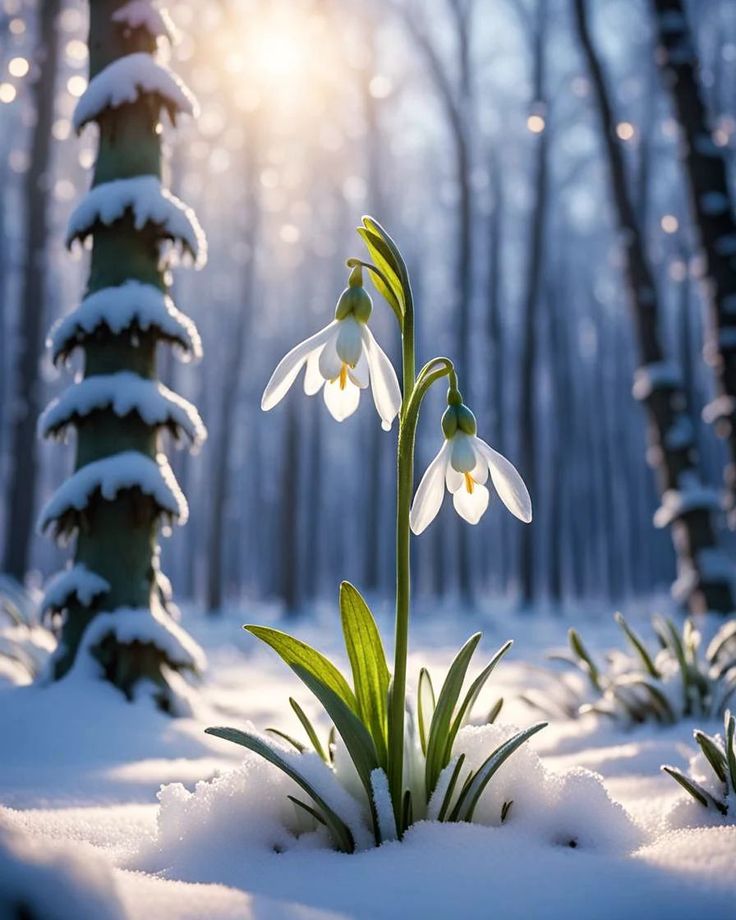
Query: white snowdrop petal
[462, 456]
[288, 368]
[384, 383]
[480, 470]
[471, 506]
[330, 363]
[508, 483]
[341, 402]
[313, 380]
[349, 342]
[431, 491]
[360, 374]
[453, 479]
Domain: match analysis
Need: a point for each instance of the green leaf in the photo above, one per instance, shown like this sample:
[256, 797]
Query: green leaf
[713, 754]
[340, 831]
[730, 727]
[443, 713]
[407, 809]
[468, 801]
[505, 809]
[587, 664]
[298, 654]
[679, 651]
[308, 808]
[387, 283]
[722, 639]
[368, 661]
[495, 711]
[425, 707]
[638, 645]
[695, 790]
[297, 745]
[395, 257]
[308, 728]
[660, 703]
[355, 735]
[450, 791]
[472, 695]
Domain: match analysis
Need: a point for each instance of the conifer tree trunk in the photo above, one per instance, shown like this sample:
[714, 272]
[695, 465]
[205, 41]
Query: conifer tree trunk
[113, 600]
[712, 207]
[20, 496]
[704, 582]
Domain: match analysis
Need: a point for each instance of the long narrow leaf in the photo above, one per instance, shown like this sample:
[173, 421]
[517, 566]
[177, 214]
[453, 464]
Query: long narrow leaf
[695, 789]
[368, 661]
[391, 289]
[638, 646]
[340, 831]
[297, 745]
[308, 808]
[473, 693]
[308, 728]
[587, 664]
[713, 754]
[725, 636]
[466, 807]
[298, 654]
[731, 749]
[425, 708]
[443, 713]
[397, 261]
[495, 711]
[450, 791]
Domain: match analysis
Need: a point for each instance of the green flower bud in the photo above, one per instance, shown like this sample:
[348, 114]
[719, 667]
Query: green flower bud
[454, 397]
[466, 420]
[449, 422]
[355, 301]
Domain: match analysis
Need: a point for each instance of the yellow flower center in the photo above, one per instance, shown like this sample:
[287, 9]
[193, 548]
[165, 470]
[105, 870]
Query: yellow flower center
[469, 483]
[343, 375]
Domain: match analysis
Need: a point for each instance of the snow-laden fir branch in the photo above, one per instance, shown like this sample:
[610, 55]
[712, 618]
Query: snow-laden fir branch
[123, 393]
[132, 305]
[143, 14]
[124, 82]
[76, 582]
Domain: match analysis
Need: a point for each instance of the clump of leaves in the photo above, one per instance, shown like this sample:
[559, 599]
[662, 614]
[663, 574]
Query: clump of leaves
[24, 643]
[672, 680]
[715, 788]
[359, 713]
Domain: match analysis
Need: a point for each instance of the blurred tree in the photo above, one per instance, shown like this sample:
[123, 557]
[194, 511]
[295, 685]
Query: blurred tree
[704, 577]
[22, 473]
[712, 206]
[115, 601]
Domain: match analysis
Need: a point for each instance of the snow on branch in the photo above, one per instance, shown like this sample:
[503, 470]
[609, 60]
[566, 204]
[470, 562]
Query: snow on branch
[79, 582]
[123, 392]
[143, 14]
[149, 203]
[661, 375]
[678, 502]
[107, 477]
[130, 306]
[124, 82]
[129, 625]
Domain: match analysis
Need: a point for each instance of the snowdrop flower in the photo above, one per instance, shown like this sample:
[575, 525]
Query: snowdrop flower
[463, 465]
[343, 358]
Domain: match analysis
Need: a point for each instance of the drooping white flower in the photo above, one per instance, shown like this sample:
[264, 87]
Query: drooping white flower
[343, 358]
[462, 466]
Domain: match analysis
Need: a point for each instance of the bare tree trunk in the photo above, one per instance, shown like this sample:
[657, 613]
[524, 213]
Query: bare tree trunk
[23, 456]
[687, 509]
[712, 207]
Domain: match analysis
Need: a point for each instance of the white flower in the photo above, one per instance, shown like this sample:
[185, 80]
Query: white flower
[344, 357]
[463, 464]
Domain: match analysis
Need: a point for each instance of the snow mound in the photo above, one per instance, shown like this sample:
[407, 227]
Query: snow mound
[123, 392]
[77, 581]
[127, 470]
[149, 202]
[41, 880]
[131, 305]
[125, 81]
[143, 14]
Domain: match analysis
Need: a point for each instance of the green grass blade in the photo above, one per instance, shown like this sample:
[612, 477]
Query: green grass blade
[368, 661]
[587, 664]
[301, 748]
[694, 789]
[308, 808]
[355, 735]
[495, 711]
[450, 791]
[308, 728]
[473, 693]
[725, 636]
[443, 713]
[425, 707]
[713, 754]
[505, 809]
[661, 705]
[730, 728]
[491, 766]
[638, 646]
[340, 831]
[298, 654]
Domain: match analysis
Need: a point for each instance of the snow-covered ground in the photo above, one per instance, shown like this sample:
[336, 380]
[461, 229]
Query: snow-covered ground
[80, 770]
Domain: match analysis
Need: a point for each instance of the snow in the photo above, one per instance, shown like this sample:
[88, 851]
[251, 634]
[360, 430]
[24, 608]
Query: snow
[225, 842]
[125, 80]
[77, 581]
[123, 392]
[661, 375]
[144, 14]
[149, 202]
[114, 474]
[129, 305]
[382, 804]
[678, 502]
